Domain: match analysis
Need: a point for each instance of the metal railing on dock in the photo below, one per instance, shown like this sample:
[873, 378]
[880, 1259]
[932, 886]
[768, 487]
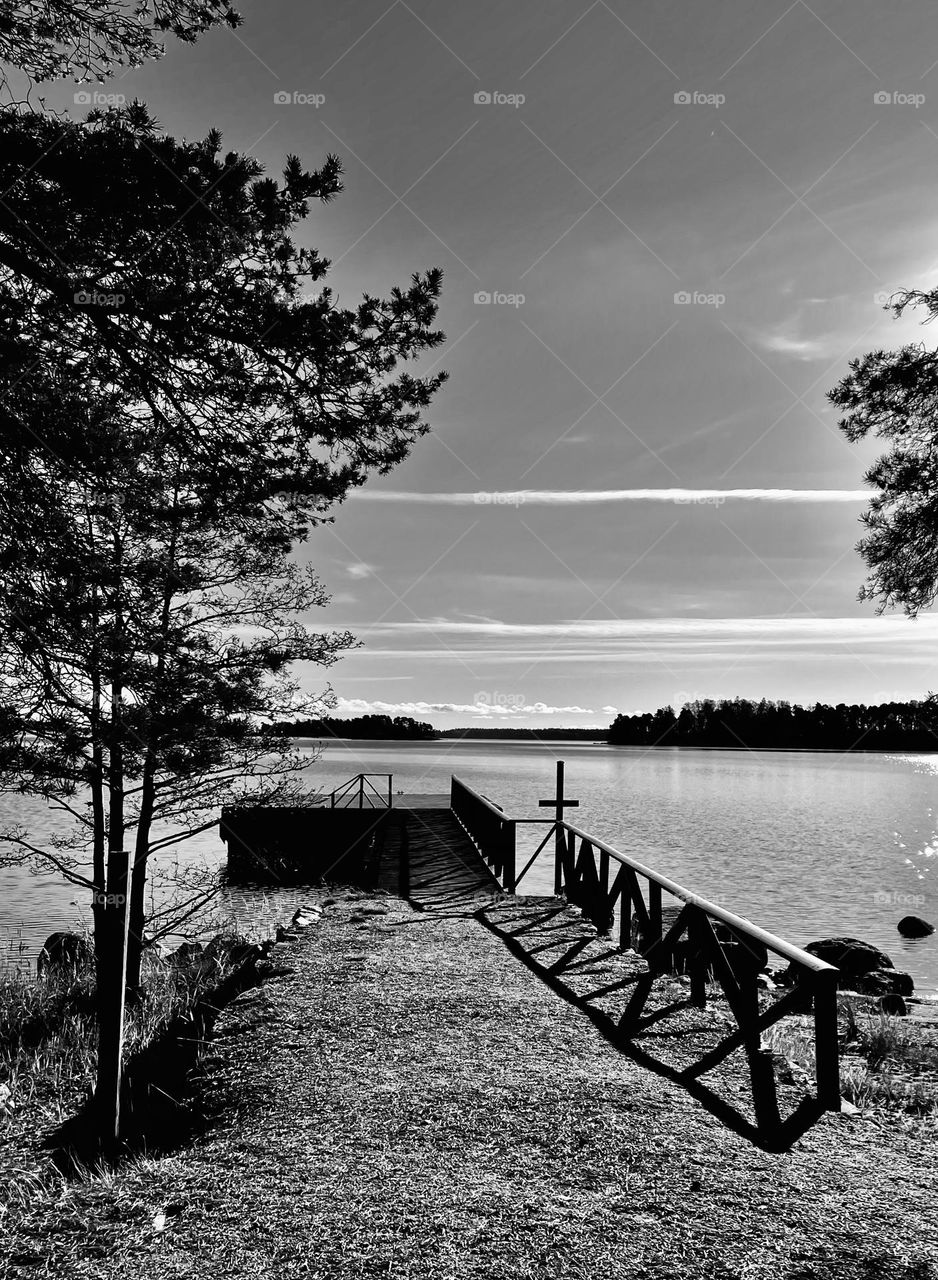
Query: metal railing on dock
[361, 793]
[714, 944]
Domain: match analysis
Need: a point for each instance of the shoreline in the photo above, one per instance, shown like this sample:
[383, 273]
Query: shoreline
[624, 746]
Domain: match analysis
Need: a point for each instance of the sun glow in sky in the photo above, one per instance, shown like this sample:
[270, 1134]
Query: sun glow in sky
[665, 230]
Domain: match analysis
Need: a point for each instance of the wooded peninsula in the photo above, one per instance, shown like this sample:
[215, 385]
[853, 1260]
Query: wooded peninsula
[728, 723]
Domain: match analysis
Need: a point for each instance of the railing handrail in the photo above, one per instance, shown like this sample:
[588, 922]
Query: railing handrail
[484, 800]
[738, 923]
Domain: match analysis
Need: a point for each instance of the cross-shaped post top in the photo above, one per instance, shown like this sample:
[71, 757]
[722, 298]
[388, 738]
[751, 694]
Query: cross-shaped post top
[559, 802]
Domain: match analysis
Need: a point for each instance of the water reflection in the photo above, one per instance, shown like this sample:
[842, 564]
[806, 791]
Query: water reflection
[806, 844]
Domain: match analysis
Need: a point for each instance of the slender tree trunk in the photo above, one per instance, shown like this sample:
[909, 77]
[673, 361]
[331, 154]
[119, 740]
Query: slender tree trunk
[148, 790]
[111, 966]
[99, 830]
[139, 882]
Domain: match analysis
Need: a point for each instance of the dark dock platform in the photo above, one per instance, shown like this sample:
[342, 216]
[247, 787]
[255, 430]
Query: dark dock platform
[428, 858]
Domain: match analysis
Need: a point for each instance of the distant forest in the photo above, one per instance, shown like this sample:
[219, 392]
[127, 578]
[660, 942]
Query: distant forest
[892, 726]
[359, 727]
[737, 722]
[502, 731]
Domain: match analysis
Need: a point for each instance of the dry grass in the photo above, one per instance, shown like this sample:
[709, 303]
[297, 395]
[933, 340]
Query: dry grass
[889, 1064]
[48, 1051]
[412, 1102]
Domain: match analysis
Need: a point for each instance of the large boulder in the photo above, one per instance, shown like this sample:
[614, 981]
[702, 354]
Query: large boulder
[864, 969]
[915, 927]
[64, 952]
[851, 956]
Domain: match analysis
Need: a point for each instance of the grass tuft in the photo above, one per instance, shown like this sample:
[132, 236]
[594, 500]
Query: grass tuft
[48, 1049]
[887, 1062]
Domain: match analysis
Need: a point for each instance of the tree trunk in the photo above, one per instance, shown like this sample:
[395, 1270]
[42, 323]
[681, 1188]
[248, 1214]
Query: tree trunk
[138, 885]
[111, 966]
[148, 790]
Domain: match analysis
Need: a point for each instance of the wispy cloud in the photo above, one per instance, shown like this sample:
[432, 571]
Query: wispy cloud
[779, 629]
[581, 497]
[481, 710]
[800, 348]
[359, 571]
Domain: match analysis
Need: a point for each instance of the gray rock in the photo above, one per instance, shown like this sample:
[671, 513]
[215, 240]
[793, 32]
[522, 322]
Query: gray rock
[915, 927]
[881, 982]
[851, 956]
[64, 953]
[303, 917]
[186, 954]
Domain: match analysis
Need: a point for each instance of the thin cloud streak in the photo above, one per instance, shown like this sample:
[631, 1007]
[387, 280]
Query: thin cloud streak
[745, 629]
[583, 497]
[481, 709]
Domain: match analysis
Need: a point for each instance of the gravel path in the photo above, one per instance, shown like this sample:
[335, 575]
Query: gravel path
[412, 1101]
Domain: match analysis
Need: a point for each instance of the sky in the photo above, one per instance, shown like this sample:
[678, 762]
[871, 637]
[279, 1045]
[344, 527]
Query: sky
[665, 229]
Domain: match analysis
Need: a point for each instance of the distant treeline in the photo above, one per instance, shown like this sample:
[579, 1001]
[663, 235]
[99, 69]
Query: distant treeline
[892, 726]
[359, 727]
[501, 731]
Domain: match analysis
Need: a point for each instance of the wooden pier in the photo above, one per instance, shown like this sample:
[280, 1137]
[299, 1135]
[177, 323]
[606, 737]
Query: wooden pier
[458, 853]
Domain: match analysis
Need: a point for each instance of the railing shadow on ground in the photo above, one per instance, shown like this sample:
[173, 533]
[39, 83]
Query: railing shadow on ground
[520, 925]
[716, 951]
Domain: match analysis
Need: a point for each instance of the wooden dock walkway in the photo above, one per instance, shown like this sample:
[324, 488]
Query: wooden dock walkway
[427, 858]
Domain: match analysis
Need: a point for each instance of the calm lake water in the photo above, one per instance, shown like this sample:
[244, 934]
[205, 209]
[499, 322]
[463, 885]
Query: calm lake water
[806, 844]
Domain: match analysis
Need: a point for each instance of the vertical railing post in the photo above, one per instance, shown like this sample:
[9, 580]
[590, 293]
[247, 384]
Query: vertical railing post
[558, 860]
[654, 913]
[699, 964]
[625, 918]
[761, 1067]
[403, 860]
[827, 1060]
[390, 792]
[604, 916]
[509, 869]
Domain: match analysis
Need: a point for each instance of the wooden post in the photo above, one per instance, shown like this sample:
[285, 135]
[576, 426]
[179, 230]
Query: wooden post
[112, 979]
[654, 914]
[625, 920]
[558, 803]
[761, 1067]
[827, 1061]
[698, 960]
[603, 914]
[403, 860]
[509, 870]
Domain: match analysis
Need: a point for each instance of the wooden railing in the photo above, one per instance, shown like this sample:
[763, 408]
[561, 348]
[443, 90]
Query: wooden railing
[362, 790]
[701, 938]
[488, 828]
